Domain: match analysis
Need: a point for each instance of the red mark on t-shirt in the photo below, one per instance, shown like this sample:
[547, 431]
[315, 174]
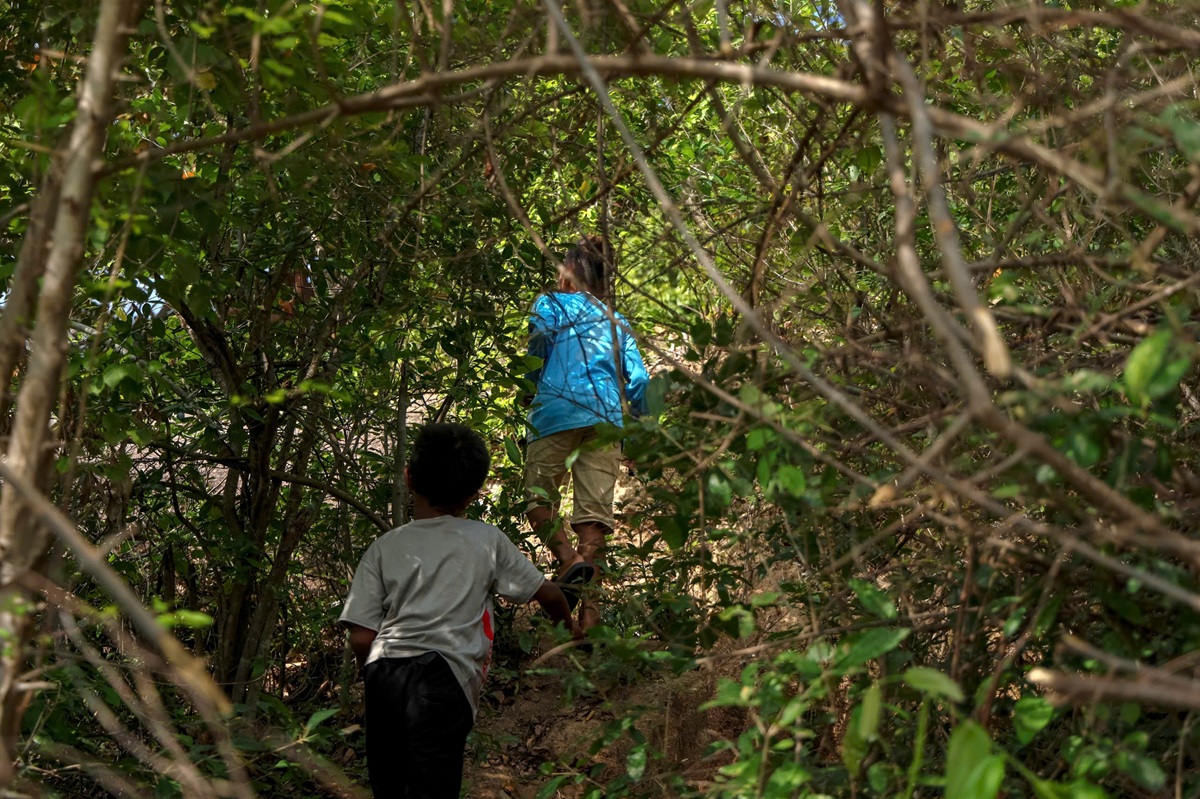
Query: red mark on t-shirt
[487, 630]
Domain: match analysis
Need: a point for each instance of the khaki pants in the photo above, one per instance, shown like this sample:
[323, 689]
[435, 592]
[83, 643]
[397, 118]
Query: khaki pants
[593, 474]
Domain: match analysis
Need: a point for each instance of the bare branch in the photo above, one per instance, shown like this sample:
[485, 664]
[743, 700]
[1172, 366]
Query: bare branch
[192, 671]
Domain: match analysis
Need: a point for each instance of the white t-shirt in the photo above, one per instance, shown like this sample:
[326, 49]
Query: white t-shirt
[428, 586]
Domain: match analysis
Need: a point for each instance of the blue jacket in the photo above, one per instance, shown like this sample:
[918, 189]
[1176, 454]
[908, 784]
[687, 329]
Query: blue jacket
[584, 372]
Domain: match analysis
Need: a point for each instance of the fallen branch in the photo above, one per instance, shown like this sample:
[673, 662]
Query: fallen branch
[1085, 690]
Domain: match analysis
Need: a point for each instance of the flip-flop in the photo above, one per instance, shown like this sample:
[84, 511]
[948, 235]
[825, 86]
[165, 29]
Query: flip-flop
[579, 574]
[571, 593]
[573, 579]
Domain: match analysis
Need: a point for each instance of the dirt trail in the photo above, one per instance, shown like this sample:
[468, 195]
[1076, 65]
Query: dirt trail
[534, 726]
[531, 722]
[537, 725]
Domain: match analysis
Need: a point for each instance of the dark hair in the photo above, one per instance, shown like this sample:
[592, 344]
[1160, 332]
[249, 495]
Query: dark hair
[587, 266]
[448, 465]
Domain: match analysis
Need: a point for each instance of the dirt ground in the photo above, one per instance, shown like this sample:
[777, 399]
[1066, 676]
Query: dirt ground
[531, 723]
[536, 724]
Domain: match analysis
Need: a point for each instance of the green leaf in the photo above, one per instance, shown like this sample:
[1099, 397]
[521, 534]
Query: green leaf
[872, 711]
[972, 772]
[874, 600]
[743, 620]
[1083, 447]
[192, 619]
[792, 711]
[730, 693]
[1183, 126]
[786, 779]
[1145, 772]
[1048, 615]
[115, 374]
[878, 776]
[791, 480]
[673, 531]
[574, 456]
[764, 599]
[656, 396]
[1169, 376]
[551, 788]
[1144, 365]
[336, 17]
[1080, 789]
[1013, 622]
[635, 763]
[868, 645]
[513, 451]
[932, 682]
[1130, 713]
[1030, 716]
[759, 438]
[719, 492]
[869, 158]
[724, 331]
[854, 748]
[318, 717]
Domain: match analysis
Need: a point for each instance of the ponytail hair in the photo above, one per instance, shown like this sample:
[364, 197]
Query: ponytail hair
[588, 267]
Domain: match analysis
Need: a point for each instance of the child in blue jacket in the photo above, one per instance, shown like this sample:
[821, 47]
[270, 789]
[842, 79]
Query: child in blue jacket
[592, 373]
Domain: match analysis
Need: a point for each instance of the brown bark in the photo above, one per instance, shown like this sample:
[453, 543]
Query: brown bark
[31, 264]
[260, 631]
[24, 540]
[400, 455]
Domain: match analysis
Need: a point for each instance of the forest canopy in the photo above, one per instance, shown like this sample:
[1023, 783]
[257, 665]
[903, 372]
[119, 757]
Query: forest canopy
[909, 515]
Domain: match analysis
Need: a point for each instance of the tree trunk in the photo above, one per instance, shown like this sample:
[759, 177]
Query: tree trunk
[260, 631]
[23, 542]
[400, 455]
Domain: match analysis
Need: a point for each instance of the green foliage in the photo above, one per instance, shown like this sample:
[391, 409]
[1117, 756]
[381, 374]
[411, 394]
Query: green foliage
[1031, 714]
[268, 308]
[1155, 367]
[972, 770]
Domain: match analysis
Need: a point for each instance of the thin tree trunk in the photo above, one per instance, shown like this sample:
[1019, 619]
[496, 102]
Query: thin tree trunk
[23, 542]
[31, 264]
[260, 632]
[399, 485]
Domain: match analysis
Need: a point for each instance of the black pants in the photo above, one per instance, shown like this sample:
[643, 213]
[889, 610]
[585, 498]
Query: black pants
[417, 723]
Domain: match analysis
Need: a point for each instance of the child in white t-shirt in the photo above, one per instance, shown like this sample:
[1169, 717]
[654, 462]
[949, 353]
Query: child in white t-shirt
[420, 618]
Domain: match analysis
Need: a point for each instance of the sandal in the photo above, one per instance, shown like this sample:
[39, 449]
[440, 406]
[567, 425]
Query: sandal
[573, 579]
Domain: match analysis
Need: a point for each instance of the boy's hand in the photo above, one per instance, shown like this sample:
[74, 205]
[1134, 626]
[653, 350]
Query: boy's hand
[361, 639]
[577, 632]
[551, 598]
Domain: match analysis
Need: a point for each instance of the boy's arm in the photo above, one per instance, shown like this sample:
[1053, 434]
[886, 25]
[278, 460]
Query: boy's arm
[540, 323]
[515, 575]
[363, 612]
[538, 348]
[361, 639]
[636, 377]
[551, 598]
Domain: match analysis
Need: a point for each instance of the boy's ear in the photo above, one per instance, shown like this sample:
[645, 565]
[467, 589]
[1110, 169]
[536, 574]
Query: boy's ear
[407, 479]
